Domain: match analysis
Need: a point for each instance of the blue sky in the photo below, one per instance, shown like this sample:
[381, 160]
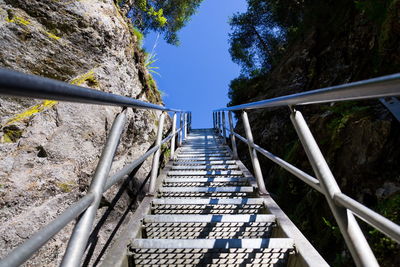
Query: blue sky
[195, 75]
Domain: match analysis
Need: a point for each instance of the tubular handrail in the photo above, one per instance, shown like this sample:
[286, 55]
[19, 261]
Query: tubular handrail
[369, 216]
[326, 184]
[118, 176]
[308, 179]
[17, 84]
[372, 88]
[23, 252]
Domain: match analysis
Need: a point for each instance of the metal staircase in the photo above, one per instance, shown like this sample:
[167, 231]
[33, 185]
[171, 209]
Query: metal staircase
[207, 212]
[205, 208]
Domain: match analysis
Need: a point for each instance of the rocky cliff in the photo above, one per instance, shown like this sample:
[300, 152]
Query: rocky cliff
[49, 150]
[359, 139]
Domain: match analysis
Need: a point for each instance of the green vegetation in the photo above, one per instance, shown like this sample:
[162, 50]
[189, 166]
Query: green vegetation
[66, 187]
[150, 60]
[88, 78]
[18, 20]
[386, 249]
[44, 105]
[343, 112]
[11, 134]
[139, 36]
[284, 47]
[165, 17]
[256, 38]
[53, 36]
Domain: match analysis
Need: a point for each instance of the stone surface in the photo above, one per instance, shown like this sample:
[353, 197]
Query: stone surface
[360, 139]
[52, 158]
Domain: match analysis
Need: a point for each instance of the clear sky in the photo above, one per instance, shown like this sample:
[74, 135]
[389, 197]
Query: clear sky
[195, 75]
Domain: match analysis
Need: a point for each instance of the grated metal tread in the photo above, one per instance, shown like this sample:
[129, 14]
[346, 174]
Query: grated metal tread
[206, 179]
[204, 176]
[199, 155]
[269, 218]
[204, 162]
[178, 201]
[206, 173]
[205, 195]
[200, 252]
[206, 167]
[204, 151]
[233, 189]
[204, 158]
[207, 214]
[193, 230]
[209, 184]
[206, 208]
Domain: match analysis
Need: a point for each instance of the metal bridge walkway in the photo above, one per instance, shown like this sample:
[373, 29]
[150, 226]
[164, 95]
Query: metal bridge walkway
[207, 212]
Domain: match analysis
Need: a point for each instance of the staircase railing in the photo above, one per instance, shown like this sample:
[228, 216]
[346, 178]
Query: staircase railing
[17, 84]
[342, 206]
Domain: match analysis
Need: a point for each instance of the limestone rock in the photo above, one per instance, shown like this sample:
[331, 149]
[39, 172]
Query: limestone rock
[47, 159]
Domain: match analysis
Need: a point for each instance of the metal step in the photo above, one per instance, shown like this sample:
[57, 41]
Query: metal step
[207, 209]
[207, 206]
[188, 155]
[266, 218]
[205, 184]
[200, 201]
[194, 146]
[206, 167]
[205, 158]
[256, 243]
[214, 192]
[206, 179]
[221, 195]
[206, 173]
[204, 162]
[202, 150]
[210, 182]
[211, 252]
[207, 230]
[241, 189]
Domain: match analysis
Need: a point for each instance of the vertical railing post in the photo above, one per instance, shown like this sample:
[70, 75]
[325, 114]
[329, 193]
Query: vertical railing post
[190, 121]
[173, 136]
[219, 123]
[233, 139]
[185, 124]
[214, 121]
[353, 236]
[223, 127]
[253, 154]
[156, 156]
[80, 235]
[180, 130]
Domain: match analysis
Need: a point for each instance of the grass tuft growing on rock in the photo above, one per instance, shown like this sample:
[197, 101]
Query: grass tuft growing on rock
[89, 78]
[18, 20]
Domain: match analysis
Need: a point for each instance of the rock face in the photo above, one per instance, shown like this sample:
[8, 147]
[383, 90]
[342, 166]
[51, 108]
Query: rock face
[359, 139]
[49, 150]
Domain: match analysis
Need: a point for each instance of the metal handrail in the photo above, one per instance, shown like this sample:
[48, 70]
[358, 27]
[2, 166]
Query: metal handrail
[13, 84]
[373, 88]
[308, 179]
[371, 217]
[343, 207]
[17, 84]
